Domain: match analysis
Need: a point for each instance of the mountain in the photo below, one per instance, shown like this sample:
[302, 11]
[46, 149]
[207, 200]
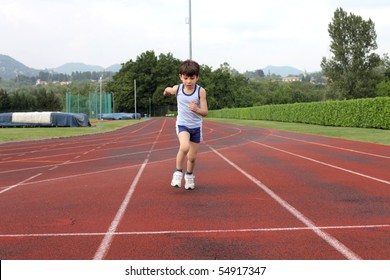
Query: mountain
[11, 68]
[282, 71]
[114, 68]
[68, 68]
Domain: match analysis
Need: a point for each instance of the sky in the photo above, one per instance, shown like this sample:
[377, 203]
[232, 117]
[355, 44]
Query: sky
[246, 34]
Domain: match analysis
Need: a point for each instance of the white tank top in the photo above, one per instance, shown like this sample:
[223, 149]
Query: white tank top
[184, 115]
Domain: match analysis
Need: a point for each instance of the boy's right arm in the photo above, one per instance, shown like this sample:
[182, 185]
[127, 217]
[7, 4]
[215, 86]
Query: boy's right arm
[170, 91]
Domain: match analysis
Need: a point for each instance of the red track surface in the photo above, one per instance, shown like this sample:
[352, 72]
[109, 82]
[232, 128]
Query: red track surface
[260, 194]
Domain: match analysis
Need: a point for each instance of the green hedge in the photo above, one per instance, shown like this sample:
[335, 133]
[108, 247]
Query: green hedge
[367, 113]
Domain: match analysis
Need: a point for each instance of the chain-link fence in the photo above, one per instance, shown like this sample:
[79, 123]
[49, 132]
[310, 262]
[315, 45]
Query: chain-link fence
[92, 104]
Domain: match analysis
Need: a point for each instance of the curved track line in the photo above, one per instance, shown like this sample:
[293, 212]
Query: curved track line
[81, 141]
[54, 166]
[118, 168]
[41, 158]
[224, 137]
[73, 162]
[340, 247]
[100, 158]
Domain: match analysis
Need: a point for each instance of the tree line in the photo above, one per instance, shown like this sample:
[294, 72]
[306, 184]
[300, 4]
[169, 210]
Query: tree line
[28, 100]
[74, 77]
[225, 87]
[46, 77]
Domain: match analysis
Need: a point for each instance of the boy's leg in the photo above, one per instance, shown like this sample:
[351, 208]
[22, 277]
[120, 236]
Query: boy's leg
[191, 156]
[181, 155]
[184, 139]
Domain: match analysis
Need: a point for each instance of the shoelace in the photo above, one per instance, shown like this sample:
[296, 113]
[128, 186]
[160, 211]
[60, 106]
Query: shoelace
[190, 180]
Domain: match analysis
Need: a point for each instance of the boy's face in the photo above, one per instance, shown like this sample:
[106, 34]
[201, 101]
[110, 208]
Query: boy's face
[189, 81]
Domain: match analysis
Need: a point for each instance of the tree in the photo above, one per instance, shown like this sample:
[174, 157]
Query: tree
[152, 75]
[47, 101]
[259, 73]
[23, 101]
[383, 88]
[350, 70]
[5, 101]
[166, 74]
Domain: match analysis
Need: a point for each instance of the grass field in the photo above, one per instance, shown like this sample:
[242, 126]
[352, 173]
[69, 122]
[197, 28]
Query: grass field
[34, 133]
[360, 134]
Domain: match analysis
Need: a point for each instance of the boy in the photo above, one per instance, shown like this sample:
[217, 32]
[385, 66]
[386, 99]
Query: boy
[191, 107]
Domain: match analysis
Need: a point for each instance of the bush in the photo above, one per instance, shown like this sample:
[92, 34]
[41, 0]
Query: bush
[366, 113]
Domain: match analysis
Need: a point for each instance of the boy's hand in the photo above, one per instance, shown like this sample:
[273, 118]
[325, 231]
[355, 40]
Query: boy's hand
[193, 107]
[167, 91]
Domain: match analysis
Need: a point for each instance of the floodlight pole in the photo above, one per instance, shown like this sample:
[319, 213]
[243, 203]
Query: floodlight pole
[190, 25]
[135, 98]
[101, 86]
[150, 107]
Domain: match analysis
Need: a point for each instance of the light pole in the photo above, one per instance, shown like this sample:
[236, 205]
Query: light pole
[190, 24]
[150, 107]
[135, 99]
[101, 86]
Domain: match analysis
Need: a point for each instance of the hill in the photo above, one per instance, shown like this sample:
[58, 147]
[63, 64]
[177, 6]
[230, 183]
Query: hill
[114, 68]
[282, 71]
[11, 68]
[68, 68]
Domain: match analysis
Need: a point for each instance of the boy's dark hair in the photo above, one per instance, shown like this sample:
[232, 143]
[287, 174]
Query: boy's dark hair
[189, 68]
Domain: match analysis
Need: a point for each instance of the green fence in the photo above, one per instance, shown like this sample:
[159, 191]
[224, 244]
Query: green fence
[90, 104]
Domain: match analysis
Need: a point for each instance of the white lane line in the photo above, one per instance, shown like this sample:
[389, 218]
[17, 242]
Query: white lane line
[333, 147]
[201, 231]
[20, 183]
[224, 137]
[324, 163]
[107, 240]
[341, 248]
[73, 162]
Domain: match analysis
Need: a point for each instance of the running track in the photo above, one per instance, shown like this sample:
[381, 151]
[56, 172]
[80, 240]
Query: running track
[260, 194]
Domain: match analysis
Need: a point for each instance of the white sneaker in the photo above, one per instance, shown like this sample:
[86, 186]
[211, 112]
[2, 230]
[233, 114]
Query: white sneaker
[190, 182]
[176, 179]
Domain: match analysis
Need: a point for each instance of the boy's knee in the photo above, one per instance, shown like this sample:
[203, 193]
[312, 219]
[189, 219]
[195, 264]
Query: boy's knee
[184, 148]
[191, 158]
